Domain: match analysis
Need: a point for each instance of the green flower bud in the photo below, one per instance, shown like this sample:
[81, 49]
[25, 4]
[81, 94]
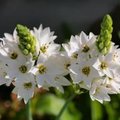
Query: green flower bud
[27, 42]
[104, 39]
[28, 46]
[25, 52]
[76, 88]
[32, 49]
[104, 51]
[101, 45]
[21, 47]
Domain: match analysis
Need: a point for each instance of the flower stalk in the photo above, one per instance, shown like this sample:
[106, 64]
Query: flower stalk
[28, 111]
[65, 106]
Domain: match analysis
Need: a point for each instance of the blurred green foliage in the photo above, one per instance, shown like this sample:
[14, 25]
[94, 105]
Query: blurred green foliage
[51, 105]
[47, 106]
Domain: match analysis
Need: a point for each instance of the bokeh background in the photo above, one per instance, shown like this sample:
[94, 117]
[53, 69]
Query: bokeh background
[65, 17]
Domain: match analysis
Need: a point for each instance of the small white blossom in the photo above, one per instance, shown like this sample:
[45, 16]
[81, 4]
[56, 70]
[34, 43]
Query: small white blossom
[99, 91]
[88, 47]
[83, 72]
[50, 72]
[104, 65]
[81, 47]
[115, 53]
[72, 48]
[61, 81]
[24, 87]
[113, 83]
[4, 78]
[16, 63]
[45, 39]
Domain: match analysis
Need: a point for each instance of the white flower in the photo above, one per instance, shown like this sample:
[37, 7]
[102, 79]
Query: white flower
[4, 78]
[46, 41]
[83, 72]
[115, 53]
[61, 81]
[24, 87]
[81, 47]
[99, 91]
[104, 65]
[88, 47]
[72, 48]
[50, 72]
[16, 64]
[113, 83]
[11, 38]
[97, 73]
[63, 63]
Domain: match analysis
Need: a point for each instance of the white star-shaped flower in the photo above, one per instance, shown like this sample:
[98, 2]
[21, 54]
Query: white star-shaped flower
[24, 87]
[99, 91]
[81, 47]
[4, 78]
[51, 72]
[83, 72]
[16, 64]
[115, 53]
[88, 47]
[104, 65]
[45, 40]
[72, 48]
[61, 81]
[113, 83]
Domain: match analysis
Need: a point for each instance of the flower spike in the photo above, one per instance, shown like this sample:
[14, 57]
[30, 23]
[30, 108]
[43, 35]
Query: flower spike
[104, 39]
[27, 41]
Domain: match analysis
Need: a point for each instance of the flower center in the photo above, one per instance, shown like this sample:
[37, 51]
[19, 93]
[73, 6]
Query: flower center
[110, 78]
[57, 78]
[43, 48]
[85, 48]
[75, 55]
[23, 69]
[115, 56]
[28, 85]
[86, 70]
[103, 65]
[67, 65]
[13, 55]
[42, 69]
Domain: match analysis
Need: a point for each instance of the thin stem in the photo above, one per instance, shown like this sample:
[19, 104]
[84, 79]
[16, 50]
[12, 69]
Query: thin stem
[95, 106]
[29, 112]
[64, 106]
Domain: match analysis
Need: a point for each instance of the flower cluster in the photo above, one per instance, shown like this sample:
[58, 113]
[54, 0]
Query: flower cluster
[31, 58]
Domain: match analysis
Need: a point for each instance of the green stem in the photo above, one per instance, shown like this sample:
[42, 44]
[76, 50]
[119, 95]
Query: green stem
[96, 106]
[64, 106]
[29, 112]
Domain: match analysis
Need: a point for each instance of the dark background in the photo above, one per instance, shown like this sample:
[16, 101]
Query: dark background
[65, 17]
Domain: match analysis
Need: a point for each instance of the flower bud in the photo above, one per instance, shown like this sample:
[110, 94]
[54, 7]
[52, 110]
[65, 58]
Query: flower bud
[104, 39]
[27, 42]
